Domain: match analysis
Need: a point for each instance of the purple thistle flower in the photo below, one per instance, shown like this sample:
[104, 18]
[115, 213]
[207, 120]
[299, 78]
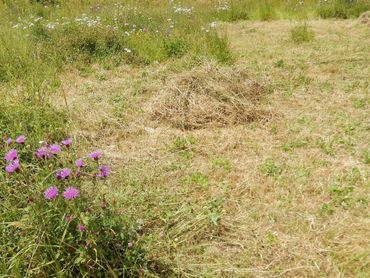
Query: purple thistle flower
[8, 141]
[81, 228]
[104, 171]
[51, 193]
[67, 142]
[63, 174]
[71, 193]
[96, 155]
[54, 149]
[43, 153]
[11, 155]
[20, 139]
[13, 166]
[79, 163]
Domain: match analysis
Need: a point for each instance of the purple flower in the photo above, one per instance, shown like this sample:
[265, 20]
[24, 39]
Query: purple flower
[96, 155]
[20, 139]
[104, 171]
[51, 193]
[81, 228]
[63, 174]
[11, 155]
[71, 193]
[67, 142]
[54, 149]
[8, 141]
[13, 166]
[43, 153]
[79, 163]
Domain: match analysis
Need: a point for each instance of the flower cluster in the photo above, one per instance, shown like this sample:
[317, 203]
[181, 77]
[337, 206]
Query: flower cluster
[182, 10]
[12, 155]
[84, 19]
[55, 194]
[223, 6]
[48, 151]
[114, 22]
[64, 174]
[66, 180]
[72, 192]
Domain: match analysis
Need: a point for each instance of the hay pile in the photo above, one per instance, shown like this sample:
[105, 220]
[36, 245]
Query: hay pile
[365, 18]
[209, 97]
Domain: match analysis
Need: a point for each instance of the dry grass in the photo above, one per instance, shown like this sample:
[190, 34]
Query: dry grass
[289, 198]
[365, 18]
[209, 97]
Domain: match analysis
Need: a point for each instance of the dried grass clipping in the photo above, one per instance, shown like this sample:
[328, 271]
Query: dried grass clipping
[209, 97]
[364, 18]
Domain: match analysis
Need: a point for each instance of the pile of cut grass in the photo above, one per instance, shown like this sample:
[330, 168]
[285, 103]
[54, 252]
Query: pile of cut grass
[365, 18]
[210, 97]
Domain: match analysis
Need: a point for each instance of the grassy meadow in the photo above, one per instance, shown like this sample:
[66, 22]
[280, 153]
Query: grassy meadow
[178, 138]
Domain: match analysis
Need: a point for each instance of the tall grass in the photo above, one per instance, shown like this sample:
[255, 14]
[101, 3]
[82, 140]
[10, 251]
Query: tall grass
[301, 33]
[39, 37]
[236, 10]
[342, 8]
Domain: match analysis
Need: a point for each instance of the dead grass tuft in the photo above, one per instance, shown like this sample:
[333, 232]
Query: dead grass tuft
[210, 97]
[364, 18]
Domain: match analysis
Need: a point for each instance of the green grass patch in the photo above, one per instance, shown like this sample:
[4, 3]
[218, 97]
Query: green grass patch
[301, 34]
[342, 8]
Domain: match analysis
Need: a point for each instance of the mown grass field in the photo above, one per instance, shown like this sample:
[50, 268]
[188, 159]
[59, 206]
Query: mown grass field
[237, 133]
